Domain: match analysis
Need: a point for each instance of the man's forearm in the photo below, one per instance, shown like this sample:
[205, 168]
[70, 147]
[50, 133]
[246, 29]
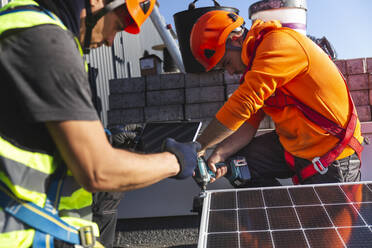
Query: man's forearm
[128, 170]
[97, 166]
[213, 134]
[236, 141]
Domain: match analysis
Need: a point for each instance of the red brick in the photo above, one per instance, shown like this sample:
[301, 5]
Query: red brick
[370, 97]
[360, 97]
[356, 66]
[366, 128]
[358, 82]
[369, 65]
[364, 112]
[341, 64]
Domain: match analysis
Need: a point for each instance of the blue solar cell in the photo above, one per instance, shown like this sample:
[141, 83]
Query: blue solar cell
[344, 215]
[250, 199]
[276, 197]
[357, 192]
[313, 217]
[324, 238]
[256, 239]
[331, 194]
[365, 210]
[304, 196]
[223, 240]
[289, 239]
[222, 221]
[283, 218]
[223, 200]
[252, 219]
[356, 237]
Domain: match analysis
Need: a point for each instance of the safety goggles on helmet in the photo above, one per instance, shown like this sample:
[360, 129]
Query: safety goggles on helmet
[209, 35]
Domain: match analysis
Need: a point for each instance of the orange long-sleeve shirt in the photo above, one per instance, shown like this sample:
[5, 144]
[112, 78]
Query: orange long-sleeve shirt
[290, 61]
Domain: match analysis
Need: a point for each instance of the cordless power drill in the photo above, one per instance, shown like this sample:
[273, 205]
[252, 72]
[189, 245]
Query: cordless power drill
[237, 172]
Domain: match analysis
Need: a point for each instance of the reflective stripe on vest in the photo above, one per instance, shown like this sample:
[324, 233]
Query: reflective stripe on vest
[27, 173]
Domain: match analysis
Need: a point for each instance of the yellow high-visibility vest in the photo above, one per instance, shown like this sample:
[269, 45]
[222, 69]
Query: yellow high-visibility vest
[26, 173]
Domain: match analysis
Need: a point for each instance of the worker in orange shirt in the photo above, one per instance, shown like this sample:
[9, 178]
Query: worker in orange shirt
[286, 76]
[54, 152]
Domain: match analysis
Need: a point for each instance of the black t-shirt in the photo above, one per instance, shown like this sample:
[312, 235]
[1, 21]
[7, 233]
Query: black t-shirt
[42, 78]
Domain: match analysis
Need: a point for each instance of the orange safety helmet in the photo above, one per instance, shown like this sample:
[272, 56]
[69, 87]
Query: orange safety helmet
[209, 35]
[139, 10]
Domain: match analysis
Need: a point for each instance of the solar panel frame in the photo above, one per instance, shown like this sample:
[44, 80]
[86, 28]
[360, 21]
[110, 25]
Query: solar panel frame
[306, 230]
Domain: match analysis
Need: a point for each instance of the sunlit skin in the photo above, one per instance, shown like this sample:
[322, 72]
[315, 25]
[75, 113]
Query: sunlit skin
[233, 64]
[106, 28]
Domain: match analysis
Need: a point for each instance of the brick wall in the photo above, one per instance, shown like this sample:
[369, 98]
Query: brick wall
[358, 74]
[169, 97]
[179, 97]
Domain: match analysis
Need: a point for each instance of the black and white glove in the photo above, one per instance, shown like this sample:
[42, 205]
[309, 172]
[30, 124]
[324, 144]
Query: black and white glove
[186, 153]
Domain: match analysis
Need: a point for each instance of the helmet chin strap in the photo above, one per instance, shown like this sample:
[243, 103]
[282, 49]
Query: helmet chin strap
[92, 19]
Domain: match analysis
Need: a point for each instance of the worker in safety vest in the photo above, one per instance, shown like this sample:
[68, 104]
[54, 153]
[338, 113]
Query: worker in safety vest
[53, 147]
[317, 137]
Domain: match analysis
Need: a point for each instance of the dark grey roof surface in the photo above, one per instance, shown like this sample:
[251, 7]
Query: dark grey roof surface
[174, 231]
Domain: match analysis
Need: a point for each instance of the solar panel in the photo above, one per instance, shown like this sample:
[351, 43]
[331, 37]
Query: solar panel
[155, 133]
[319, 215]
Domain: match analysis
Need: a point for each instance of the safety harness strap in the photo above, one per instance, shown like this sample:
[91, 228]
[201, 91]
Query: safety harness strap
[44, 221]
[346, 136]
[320, 164]
[51, 205]
[37, 217]
[281, 100]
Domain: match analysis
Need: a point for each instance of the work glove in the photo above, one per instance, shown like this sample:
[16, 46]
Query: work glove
[186, 154]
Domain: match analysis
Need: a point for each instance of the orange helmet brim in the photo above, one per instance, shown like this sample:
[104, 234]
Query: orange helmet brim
[138, 14]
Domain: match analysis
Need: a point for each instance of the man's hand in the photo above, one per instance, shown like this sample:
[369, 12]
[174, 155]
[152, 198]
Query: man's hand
[212, 161]
[186, 154]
